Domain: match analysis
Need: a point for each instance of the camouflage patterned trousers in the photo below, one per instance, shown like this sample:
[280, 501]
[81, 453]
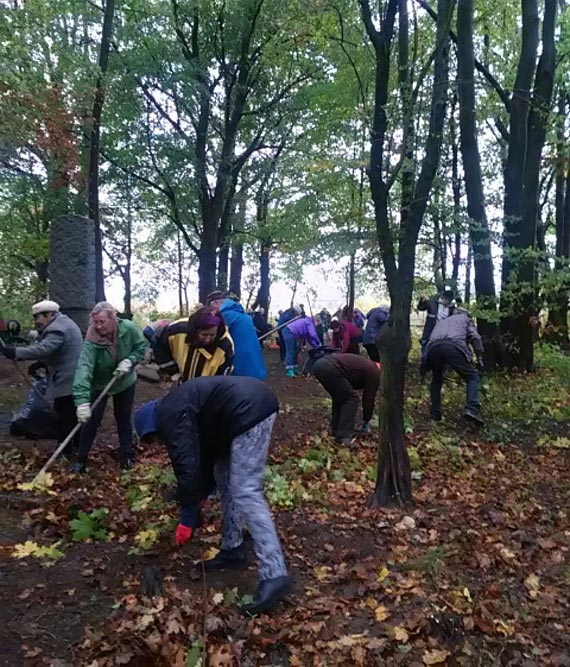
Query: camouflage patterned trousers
[238, 479]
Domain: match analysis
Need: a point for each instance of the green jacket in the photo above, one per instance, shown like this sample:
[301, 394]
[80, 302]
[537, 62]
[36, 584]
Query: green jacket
[96, 365]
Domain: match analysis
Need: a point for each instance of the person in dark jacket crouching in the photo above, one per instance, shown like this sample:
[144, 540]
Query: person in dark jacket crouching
[449, 346]
[341, 375]
[221, 426]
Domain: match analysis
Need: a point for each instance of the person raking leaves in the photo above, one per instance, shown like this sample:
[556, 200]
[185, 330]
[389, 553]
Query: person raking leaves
[112, 346]
[220, 427]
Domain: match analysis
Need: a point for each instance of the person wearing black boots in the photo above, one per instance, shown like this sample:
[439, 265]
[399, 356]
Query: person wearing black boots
[219, 428]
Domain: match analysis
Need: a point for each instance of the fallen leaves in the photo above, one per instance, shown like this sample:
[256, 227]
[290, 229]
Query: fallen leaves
[41, 484]
[47, 554]
[381, 613]
[435, 656]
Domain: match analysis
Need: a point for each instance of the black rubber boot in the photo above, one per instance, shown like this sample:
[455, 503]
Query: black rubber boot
[269, 593]
[473, 417]
[228, 559]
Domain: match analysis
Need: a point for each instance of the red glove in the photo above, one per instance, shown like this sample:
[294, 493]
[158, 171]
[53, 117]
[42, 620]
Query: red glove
[183, 534]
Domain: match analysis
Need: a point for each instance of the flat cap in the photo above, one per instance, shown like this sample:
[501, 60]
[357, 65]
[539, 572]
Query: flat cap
[45, 307]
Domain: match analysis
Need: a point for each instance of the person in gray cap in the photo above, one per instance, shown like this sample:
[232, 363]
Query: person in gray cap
[58, 347]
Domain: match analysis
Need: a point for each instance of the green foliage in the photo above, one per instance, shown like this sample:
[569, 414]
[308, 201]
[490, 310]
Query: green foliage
[431, 563]
[280, 491]
[195, 655]
[89, 526]
[313, 460]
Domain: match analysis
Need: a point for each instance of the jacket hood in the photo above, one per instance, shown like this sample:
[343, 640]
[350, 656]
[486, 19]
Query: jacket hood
[145, 420]
[231, 306]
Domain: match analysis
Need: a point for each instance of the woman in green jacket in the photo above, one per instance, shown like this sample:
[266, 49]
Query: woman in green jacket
[112, 346]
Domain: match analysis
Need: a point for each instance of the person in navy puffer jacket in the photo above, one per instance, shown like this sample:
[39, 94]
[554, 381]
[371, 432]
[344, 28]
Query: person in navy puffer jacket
[248, 358]
[375, 320]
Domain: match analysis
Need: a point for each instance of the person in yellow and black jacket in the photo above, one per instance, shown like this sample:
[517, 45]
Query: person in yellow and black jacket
[196, 347]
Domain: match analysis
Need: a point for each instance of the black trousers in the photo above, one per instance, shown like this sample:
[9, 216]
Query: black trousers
[345, 399]
[372, 351]
[123, 408]
[446, 354]
[64, 408]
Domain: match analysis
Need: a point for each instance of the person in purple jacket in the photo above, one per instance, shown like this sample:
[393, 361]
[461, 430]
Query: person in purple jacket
[300, 331]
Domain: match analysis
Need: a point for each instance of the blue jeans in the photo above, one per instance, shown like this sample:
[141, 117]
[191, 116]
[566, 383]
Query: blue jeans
[446, 354]
[290, 348]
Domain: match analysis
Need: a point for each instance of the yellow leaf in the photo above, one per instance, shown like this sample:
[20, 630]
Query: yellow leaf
[383, 572]
[322, 572]
[467, 594]
[29, 548]
[210, 553]
[435, 657]
[43, 483]
[381, 613]
[400, 634]
[532, 582]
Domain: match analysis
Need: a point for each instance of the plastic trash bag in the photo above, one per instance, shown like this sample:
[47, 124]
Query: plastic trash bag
[35, 419]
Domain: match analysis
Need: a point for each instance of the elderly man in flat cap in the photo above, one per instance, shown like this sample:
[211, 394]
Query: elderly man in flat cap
[59, 346]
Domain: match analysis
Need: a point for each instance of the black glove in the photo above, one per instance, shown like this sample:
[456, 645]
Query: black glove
[480, 365]
[8, 351]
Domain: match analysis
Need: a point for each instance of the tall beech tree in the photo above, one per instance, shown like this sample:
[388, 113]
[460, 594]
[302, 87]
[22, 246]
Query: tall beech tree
[529, 112]
[398, 242]
[478, 226]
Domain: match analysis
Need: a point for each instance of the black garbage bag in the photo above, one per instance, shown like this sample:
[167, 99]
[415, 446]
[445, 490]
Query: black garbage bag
[35, 419]
[314, 355]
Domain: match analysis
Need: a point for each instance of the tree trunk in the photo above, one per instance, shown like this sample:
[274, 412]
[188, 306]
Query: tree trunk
[351, 287]
[478, 225]
[94, 148]
[223, 264]
[456, 187]
[468, 264]
[263, 293]
[558, 310]
[180, 285]
[513, 178]
[207, 257]
[524, 243]
[394, 476]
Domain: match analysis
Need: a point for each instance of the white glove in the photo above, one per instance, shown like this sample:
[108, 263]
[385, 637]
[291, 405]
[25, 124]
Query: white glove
[83, 412]
[123, 367]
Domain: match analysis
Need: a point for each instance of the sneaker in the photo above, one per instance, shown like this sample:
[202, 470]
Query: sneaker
[290, 373]
[473, 417]
[77, 468]
[228, 559]
[126, 464]
[269, 593]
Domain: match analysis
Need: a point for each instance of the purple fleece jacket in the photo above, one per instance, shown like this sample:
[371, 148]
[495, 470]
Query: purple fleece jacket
[304, 329]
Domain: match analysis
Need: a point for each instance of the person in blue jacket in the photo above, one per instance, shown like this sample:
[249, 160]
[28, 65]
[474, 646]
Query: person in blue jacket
[248, 358]
[375, 320]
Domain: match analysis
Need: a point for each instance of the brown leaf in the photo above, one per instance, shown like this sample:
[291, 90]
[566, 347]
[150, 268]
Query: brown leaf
[435, 656]
[154, 641]
[221, 656]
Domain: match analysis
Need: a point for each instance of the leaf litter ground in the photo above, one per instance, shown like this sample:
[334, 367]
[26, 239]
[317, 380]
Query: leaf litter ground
[476, 572]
